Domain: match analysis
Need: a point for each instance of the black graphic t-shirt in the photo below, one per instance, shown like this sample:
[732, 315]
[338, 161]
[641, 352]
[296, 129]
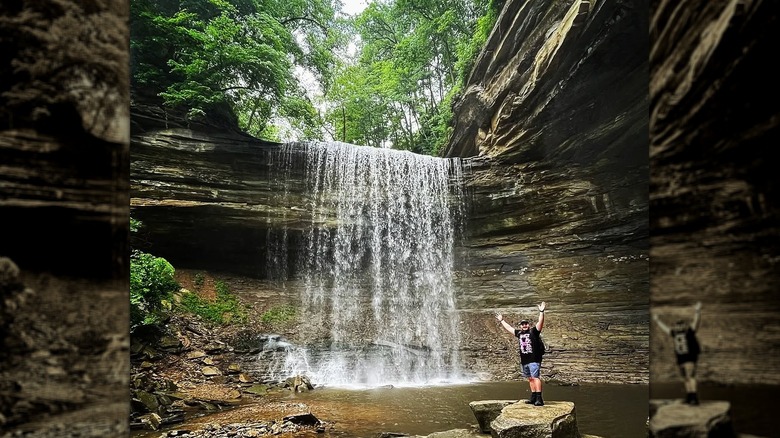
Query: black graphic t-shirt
[529, 344]
[686, 347]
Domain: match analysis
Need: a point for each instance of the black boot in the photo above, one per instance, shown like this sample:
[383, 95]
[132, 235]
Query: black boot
[692, 399]
[539, 401]
[531, 400]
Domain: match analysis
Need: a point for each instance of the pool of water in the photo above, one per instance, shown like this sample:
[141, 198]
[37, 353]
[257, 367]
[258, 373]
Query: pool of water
[609, 411]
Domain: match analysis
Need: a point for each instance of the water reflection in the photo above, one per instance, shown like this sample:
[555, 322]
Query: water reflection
[618, 411]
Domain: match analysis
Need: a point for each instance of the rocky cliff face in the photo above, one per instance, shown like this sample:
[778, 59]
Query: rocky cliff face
[64, 171]
[714, 198]
[555, 118]
[553, 134]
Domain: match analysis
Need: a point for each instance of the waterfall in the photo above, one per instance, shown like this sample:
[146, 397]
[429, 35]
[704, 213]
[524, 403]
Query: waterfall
[376, 266]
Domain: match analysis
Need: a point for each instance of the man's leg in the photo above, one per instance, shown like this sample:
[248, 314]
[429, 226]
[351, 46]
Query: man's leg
[688, 370]
[525, 372]
[536, 382]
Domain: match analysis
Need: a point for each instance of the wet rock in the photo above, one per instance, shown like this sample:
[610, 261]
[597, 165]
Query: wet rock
[298, 383]
[714, 228]
[303, 419]
[488, 410]
[257, 389]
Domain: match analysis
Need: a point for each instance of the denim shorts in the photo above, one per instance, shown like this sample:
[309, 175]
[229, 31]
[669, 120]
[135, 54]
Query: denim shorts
[531, 370]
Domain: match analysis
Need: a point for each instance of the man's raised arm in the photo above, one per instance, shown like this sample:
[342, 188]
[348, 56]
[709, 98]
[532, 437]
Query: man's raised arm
[505, 324]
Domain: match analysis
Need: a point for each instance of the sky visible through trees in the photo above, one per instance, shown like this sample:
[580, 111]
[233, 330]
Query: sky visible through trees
[375, 73]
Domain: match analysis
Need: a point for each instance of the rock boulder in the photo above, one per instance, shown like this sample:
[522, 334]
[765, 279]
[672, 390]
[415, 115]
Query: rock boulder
[520, 420]
[488, 410]
[672, 418]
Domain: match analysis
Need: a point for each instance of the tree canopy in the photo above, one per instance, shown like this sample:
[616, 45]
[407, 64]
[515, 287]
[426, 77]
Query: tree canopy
[63, 64]
[409, 58]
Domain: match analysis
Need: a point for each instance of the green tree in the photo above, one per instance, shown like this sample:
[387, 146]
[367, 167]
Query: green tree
[413, 57]
[215, 56]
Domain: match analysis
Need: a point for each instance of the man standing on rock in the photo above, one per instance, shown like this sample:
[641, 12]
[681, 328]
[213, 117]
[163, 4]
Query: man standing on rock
[686, 348]
[531, 350]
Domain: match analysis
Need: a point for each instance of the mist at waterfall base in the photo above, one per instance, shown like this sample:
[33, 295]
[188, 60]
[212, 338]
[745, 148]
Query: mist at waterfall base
[375, 266]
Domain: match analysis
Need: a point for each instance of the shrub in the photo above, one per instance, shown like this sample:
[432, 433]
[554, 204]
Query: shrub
[152, 284]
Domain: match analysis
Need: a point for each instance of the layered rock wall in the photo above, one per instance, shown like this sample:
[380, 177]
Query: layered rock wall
[714, 198]
[555, 118]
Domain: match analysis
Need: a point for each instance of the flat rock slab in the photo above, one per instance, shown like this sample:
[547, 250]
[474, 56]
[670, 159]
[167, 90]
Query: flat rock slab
[521, 420]
[673, 418]
[488, 410]
[456, 433]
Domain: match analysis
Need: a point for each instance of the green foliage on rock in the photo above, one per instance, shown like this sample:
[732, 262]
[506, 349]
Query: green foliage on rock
[224, 310]
[278, 314]
[152, 285]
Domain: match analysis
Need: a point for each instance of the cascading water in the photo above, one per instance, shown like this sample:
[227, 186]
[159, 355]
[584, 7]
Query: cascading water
[376, 263]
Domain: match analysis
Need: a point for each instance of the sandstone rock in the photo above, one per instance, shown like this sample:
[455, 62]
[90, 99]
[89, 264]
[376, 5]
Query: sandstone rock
[149, 400]
[169, 343]
[245, 378]
[210, 371]
[257, 389]
[197, 354]
[151, 420]
[673, 418]
[520, 420]
[487, 410]
[456, 433]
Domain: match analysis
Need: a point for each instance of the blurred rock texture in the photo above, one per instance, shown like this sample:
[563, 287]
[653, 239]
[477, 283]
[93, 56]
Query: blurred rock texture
[715, 237]
[552, 130]
[64, 160]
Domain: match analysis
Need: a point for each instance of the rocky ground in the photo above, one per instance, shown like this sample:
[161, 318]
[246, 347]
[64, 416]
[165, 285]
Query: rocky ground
[64, 362]
[195, 367]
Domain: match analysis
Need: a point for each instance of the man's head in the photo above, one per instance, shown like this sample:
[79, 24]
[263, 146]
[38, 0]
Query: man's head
[524, 324]
[680, 325]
